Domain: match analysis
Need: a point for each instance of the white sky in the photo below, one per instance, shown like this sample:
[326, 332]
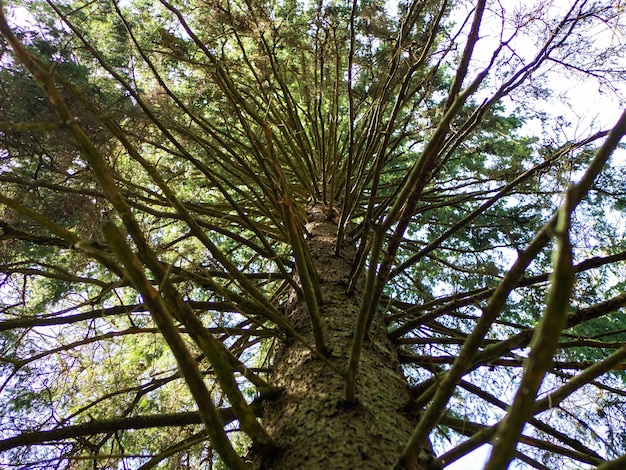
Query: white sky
[472, 461]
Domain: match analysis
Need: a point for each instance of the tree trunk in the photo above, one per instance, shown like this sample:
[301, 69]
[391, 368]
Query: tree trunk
[309, 420]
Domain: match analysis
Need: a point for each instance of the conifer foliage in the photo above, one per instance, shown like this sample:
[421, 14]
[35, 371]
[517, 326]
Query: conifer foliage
[286, 234]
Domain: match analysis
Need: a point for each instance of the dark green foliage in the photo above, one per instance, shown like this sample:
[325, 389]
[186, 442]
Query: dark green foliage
[209, 133]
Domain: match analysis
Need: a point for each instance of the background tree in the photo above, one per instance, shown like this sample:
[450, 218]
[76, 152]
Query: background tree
[292, 235]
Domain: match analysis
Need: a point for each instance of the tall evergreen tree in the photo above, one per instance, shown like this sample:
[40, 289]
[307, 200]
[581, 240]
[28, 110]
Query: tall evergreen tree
[280, 235]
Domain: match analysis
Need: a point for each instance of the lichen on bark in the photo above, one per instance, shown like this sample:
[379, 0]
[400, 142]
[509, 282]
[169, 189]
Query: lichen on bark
[309, 420]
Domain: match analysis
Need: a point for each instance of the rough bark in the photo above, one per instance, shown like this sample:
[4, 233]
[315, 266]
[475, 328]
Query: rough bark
[309, 420]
